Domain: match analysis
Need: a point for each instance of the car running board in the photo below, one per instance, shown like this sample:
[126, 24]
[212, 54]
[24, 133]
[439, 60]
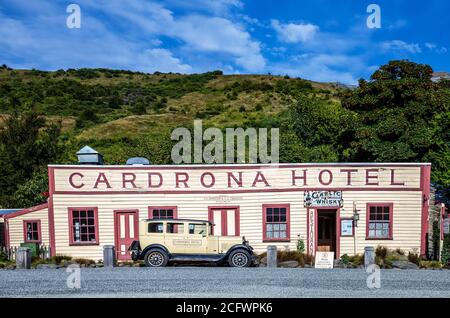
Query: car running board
[197, 257]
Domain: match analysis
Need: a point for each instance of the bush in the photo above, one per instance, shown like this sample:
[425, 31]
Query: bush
[83, 261]
[300, 245]
[3, 256]
[413, 258]
[430, 264]
[381, 252]
[59, 258]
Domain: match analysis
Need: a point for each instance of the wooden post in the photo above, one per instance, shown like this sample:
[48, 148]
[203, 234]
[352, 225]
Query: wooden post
[23, 258]
[109, 256]
[272, 256]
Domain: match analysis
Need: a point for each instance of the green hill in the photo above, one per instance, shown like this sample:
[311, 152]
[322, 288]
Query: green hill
[112, 110]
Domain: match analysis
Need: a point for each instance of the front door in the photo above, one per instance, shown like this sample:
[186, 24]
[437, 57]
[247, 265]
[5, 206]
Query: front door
[127, 227]
[226, 221]
[326, 231]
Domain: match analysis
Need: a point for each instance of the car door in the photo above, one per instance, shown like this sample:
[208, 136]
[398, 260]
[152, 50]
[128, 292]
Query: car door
[175, 237]
[197, 238]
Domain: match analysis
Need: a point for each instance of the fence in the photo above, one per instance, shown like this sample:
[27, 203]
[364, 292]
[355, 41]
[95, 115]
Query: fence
[44, 252]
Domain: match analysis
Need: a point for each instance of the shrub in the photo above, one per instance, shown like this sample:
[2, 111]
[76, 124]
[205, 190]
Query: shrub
[381, 252]
[300, 245]
[345, 259]
[3, 256]
[83, 261]
[413, 258]
[430, 264]
[399, 251]
[59, 258]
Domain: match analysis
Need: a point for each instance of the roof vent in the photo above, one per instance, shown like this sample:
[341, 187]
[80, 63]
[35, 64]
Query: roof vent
[138, 161]
[89, 156]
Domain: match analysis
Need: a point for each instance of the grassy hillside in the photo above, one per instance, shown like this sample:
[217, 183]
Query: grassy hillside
[114, 111]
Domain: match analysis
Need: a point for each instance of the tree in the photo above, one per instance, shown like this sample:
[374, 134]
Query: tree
[394, 111]
[27, 143]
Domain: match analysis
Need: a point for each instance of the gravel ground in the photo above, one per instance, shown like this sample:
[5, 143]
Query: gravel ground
[223, 282]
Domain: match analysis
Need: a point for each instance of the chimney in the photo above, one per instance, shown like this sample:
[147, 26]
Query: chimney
[89, 156]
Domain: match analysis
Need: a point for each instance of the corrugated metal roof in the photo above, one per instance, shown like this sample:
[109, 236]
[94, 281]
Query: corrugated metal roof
[8, 211]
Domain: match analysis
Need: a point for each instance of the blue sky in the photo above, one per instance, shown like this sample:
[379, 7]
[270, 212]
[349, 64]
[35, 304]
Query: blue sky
[322, 40]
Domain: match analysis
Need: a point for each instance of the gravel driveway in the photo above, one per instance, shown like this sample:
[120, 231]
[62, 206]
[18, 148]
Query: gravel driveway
[223, 282]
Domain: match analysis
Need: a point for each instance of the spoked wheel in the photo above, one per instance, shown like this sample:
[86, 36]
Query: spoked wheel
[156, 258]
[239, 258]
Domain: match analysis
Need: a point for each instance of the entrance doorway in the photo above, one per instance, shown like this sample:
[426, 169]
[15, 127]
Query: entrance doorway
[326, 231]
[226, 220]
[127, 230]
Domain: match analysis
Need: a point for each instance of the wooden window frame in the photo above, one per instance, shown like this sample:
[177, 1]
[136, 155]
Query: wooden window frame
[390, 205]
[96, 225]
[288, 222]
[25, 222]
[174, 208]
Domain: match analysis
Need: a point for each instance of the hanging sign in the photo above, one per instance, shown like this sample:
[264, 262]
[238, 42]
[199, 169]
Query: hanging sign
[323, 199]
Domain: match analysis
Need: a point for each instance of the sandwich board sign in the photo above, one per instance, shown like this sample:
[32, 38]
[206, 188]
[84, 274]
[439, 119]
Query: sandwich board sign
[324, 260]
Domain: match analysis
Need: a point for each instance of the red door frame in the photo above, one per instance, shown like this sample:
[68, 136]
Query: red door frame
[224, 225]
[117, 229]
[338, 229]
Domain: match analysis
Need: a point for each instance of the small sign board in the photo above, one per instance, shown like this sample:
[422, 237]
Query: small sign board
[346, 227]
[324, 260]
[323, 199]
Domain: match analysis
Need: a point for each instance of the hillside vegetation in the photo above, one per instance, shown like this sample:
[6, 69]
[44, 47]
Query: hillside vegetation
[398, 115]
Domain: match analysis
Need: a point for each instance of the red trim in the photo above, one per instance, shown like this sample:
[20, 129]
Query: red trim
[224, 216]
[288, 222]
[425, 175]
[238, 166]
[26, 211]
[307, 232]
[51, 213]
[117, 230]
[337, 230]
[391, 220]
[71, 241]
[442, 220]
[7, 239]
[39, 240]
[233, 191]
[157, 207]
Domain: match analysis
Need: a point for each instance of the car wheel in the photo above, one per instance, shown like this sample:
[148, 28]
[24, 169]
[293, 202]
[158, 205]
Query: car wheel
[156, 258]
[239, 258]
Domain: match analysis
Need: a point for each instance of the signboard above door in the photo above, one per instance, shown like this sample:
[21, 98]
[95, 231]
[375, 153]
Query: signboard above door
[319, 199]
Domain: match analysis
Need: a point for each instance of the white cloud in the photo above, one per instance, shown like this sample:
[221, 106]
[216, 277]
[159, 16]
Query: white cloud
[199, 33]
[294, 33]
[401, 46]
[161, 60]
[322, 67]
[435, 48]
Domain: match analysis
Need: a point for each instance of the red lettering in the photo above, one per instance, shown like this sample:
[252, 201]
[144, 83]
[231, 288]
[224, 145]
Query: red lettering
[150, 184]
[101, 179]
[330, 177]
[369, 176]
[202, 179]
[349, 174]
[393, 179]
[178, 180]
[294, 177]
[71, 180]
[126, 180]
[260, 178]
[237, 181]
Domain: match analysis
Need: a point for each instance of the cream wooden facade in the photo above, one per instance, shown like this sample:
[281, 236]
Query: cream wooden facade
[195, 190]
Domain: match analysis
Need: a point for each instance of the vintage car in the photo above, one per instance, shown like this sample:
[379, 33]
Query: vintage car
[180, 240]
